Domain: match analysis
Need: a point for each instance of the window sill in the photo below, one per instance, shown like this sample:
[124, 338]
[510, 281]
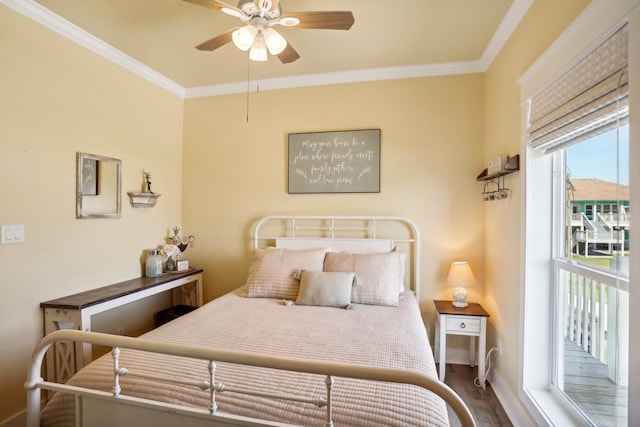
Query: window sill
[547, 410]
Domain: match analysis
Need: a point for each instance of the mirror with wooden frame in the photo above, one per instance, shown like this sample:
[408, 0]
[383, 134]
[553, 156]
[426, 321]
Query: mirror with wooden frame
[98, 186]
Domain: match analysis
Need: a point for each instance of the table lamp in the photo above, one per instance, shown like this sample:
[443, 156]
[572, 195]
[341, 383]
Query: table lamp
[460, 276]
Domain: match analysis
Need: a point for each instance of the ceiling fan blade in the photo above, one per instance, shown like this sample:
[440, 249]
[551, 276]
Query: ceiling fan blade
[288, 55]
[217, 41]
[322, 20]
[215, 5]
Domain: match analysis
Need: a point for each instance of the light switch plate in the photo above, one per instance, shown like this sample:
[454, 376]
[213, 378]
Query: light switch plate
[12, 234]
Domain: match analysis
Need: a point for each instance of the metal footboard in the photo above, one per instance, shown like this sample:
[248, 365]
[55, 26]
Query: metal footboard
[35, 383]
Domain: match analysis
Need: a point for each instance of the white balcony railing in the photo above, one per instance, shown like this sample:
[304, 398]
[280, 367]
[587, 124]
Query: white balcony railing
[614, 220]
[594, 305]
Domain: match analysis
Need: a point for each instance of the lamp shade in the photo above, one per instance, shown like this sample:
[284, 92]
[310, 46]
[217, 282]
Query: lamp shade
[274, 40]
[258, 50]
[244, 37]
[460, 275]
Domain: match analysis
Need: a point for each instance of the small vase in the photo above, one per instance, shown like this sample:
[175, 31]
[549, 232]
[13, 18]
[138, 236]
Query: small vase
[171, 264]
[153, 265]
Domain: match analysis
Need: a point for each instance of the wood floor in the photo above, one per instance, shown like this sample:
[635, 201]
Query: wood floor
[484, 404]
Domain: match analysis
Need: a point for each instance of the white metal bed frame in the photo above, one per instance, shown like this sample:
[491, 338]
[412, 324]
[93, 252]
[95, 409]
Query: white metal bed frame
[327, 231]
[97, 408]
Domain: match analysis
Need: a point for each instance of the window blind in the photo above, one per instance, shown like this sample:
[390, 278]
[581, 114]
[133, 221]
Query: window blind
[588, 99]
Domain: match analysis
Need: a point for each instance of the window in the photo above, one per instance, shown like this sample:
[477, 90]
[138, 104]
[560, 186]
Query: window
[589, 211]
[592, 286]
[577, 240]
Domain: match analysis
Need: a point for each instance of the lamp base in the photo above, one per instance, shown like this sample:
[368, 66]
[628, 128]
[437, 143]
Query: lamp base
[460, 298]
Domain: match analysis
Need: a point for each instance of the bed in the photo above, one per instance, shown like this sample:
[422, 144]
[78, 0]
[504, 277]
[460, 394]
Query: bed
[326, 330]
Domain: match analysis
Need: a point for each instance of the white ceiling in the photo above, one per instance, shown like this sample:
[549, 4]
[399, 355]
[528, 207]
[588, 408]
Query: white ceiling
[390, 39]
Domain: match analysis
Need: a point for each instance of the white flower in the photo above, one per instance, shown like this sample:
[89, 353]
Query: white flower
[170, 251]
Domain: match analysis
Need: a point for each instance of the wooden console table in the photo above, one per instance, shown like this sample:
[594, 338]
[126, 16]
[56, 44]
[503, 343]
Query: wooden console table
[75, 312]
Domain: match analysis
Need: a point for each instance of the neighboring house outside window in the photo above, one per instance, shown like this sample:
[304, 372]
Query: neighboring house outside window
[595, 214]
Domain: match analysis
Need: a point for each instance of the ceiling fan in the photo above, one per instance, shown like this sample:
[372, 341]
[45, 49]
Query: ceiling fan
[258, 35]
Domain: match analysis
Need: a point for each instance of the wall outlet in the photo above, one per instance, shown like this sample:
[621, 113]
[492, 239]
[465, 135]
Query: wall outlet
[499, 347]
[120, 330]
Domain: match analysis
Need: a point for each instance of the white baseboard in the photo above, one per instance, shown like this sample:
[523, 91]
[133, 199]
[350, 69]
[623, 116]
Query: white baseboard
[509, 401]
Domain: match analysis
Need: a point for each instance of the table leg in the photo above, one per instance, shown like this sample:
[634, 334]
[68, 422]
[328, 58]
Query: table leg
[85, 351]
[482, 349]
[472, 351]
[64, 357]
[442, 332]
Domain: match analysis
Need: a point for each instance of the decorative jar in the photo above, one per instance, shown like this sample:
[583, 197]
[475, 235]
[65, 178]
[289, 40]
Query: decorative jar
[153, 263]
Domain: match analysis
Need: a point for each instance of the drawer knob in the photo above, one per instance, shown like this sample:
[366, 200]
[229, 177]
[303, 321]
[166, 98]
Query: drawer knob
[462, 325]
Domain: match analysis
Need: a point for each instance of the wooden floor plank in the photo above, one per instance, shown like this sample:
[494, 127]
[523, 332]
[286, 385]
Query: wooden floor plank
[483, 403]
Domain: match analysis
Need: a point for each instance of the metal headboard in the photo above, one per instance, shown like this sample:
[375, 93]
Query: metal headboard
[325, 229]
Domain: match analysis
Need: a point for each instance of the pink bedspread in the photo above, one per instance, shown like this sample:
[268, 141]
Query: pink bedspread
[392, 337]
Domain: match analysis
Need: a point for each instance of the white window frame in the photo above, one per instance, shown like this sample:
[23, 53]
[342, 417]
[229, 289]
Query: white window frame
[537, 244]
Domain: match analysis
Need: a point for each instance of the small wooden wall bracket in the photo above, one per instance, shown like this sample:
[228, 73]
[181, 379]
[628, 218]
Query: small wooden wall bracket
[512, 165]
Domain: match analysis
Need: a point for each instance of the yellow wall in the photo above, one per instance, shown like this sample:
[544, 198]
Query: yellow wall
[58, 98]
[437, 134]
[543, 23]
[431, 152]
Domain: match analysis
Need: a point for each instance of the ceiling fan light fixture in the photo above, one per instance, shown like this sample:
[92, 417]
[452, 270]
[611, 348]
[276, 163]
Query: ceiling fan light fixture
[244, 37]
[274, 41]
[258, 50]
[257, 36]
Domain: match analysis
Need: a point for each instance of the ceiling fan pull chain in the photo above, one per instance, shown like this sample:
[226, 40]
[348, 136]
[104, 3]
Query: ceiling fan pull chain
[248, 86]
[258, 80]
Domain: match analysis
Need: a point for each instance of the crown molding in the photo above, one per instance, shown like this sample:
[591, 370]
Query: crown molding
[355, 76]
[54, 22]
[67, 29]
[508, 25]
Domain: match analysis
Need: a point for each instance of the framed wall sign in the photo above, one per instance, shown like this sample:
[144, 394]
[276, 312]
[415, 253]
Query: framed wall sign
[334, 162]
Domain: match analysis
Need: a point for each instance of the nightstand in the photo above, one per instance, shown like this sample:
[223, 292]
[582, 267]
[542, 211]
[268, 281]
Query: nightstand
[470, 321]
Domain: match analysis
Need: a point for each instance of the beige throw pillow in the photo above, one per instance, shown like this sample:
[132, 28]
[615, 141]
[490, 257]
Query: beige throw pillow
[327, 289]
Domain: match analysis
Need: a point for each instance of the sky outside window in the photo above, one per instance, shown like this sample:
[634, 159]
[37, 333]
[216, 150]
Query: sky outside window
[596, 158]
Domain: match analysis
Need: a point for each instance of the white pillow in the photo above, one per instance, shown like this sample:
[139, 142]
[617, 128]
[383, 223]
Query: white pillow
[327, 289]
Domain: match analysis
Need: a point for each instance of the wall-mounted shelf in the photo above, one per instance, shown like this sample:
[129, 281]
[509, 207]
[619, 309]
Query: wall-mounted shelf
[512, 165]
[143, 200]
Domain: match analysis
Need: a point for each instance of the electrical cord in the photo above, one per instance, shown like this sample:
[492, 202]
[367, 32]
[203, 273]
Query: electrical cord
[487, 363]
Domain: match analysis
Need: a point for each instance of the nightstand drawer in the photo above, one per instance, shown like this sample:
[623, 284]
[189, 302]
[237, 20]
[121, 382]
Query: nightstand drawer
[463, 324]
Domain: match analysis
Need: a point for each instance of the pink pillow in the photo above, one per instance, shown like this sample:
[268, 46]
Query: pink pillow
[378, 273]
[272, 270]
